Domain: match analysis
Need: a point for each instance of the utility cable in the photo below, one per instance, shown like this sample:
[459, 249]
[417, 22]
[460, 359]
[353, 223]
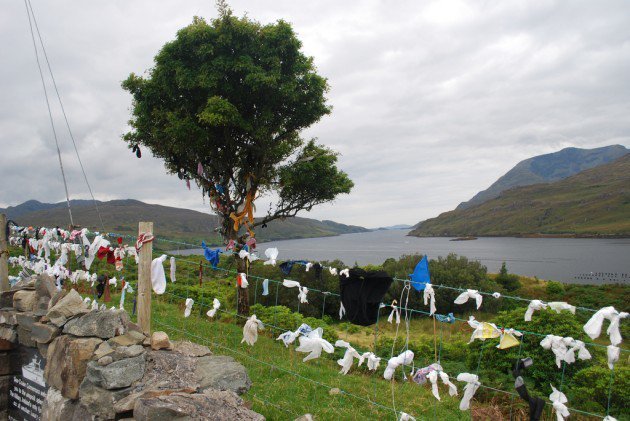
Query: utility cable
[41, 74]
[63, 111]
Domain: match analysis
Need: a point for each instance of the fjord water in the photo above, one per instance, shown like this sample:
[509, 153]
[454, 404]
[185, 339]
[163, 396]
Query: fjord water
[574, 260]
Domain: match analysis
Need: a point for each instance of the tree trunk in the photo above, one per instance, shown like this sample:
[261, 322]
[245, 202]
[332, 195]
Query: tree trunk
[243, 293]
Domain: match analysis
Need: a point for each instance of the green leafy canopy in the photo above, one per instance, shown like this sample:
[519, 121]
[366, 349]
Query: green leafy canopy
[233, 95]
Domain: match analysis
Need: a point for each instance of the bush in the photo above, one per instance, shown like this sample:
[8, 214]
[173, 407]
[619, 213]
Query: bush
[509, 281]
[544, 371]
[555, 290]
[591, 385]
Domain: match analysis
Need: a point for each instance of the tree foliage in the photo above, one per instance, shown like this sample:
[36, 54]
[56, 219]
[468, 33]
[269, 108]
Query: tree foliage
[224, 106]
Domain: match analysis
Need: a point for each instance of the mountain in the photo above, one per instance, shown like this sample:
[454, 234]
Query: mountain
[394, 227]
[548, 168]
[591, 203]
[122, 216]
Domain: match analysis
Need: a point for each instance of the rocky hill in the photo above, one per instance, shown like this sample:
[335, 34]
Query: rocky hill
[548, 168]
[592, 203]
[122, 216]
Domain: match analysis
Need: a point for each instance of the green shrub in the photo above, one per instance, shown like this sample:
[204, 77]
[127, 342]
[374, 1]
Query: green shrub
[591, 385]
[555, 290]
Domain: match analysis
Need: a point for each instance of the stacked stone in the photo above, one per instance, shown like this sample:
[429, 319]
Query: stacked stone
[100, 365]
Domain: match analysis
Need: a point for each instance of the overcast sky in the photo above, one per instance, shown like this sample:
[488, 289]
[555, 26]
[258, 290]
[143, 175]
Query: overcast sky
[433, 101]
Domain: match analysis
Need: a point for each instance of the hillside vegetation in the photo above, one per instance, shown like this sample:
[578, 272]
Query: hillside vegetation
[548, 168]
[122, 216]
[592, 203]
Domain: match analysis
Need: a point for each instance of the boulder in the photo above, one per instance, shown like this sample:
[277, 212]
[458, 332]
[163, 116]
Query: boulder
[102, 323]
[6, 345]
[118, 374]
[57, 407]
[103, 350]
[127, 352]
[24, 338]
[5, 384]
[43, 349]
[6, 298]
[41, 306]
[7, 316]
[24, 300]
[66, 308]
[44, 332]
[126, 404]
[98, 402]
[67, 361]
[210, 405]
[223, 373]
[45, 286]
[82, 413]
[130, 338]
[159, 340]
[167, 370]
[106, 360]
[26, 320]
[8, 334]
[191, 349]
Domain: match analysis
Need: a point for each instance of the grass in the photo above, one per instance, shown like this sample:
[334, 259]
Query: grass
[284, 387]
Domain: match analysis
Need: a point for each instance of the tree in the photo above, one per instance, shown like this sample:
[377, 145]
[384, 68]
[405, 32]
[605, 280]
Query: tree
[224, 106]
[509, 281]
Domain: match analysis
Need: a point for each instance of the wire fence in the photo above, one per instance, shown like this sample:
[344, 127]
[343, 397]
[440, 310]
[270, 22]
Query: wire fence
[223, 342]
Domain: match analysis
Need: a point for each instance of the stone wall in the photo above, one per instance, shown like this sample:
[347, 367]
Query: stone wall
[100, 366]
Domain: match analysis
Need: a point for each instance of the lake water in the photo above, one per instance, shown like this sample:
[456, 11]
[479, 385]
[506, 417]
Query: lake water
[575, 260]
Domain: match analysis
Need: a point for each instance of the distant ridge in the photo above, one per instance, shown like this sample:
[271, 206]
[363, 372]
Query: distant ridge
[594, 202]
[122, 216]
[548, 168]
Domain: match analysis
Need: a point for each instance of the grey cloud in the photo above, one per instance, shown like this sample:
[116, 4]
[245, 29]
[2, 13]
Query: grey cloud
[433, 101]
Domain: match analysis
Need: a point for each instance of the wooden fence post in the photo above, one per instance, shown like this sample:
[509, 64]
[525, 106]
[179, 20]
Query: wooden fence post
[4, 255]
[145, 256]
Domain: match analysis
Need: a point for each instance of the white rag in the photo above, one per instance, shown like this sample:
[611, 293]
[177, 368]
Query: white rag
[433, 377]
[395, 311]
[372, 360]
[272, 255]
[348, 356]
[243, 277]
[342, 310]
[469, 294]
[314, 344]
[345, 272]
[302, 290]
[189, 304]
[173, 268]
[472, 384]
[405, 358]
[558, 306]
[406, 417]
[593, 327]
[496, 295]
[429, 294]
[534, 305]
[158, 278]
[564, 348]
[613, 355]
[332, 271]
[308, 266]
[215, 306]
[265, 286]
[558, 399]
[250, 330]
